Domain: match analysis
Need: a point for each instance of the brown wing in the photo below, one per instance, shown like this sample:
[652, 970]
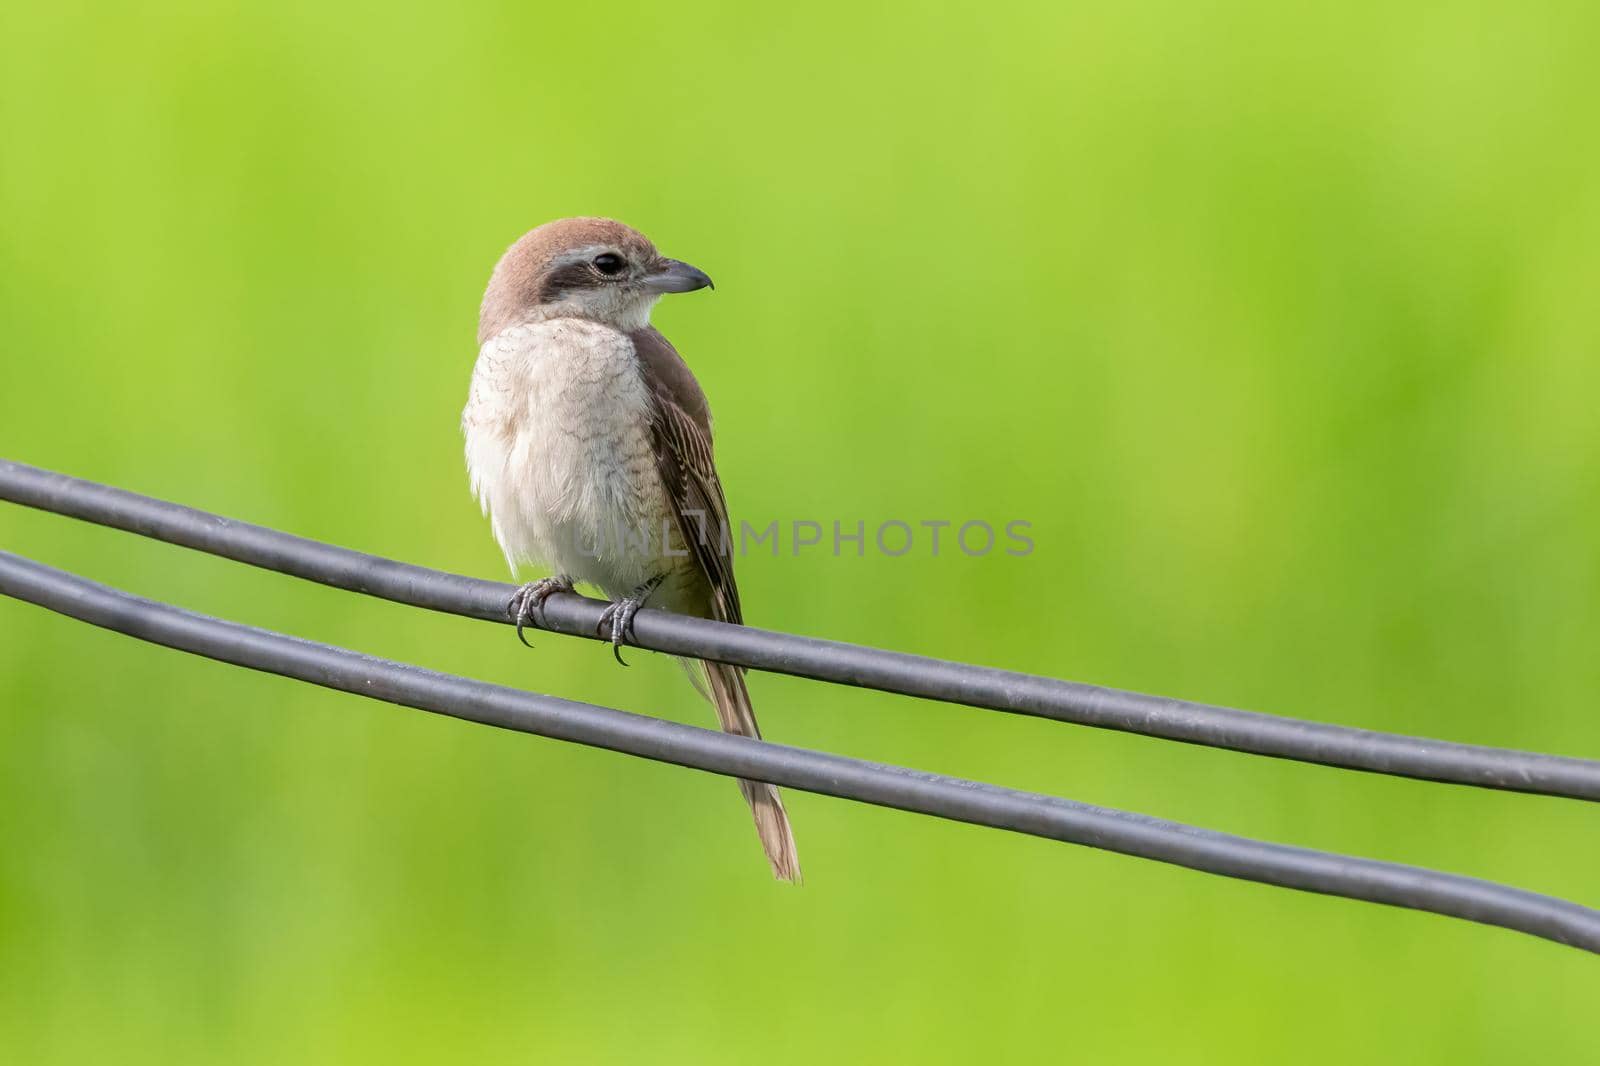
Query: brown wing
[681, 426]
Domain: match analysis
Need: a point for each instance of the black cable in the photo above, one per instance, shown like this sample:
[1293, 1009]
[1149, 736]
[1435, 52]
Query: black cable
[820, 660]
[812, 771]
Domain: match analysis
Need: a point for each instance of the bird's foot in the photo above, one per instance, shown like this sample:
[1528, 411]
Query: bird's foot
[527, 603]
[619, 615]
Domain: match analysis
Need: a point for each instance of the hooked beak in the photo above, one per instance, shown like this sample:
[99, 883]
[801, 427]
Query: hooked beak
[673, 275]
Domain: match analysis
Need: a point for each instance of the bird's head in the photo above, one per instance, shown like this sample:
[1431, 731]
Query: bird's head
[591, 268]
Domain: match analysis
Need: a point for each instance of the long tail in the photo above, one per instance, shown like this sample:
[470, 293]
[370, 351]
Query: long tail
[732, 701]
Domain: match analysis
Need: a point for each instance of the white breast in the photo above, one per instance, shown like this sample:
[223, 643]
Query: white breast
[559, 450]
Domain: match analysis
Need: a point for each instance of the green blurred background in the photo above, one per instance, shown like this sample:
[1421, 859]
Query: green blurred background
[1279, 325]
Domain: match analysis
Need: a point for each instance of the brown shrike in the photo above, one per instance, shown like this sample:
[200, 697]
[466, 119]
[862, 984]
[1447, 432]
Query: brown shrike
[589, 447]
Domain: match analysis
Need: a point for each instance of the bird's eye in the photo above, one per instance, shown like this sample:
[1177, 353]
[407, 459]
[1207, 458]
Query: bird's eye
[608, 263]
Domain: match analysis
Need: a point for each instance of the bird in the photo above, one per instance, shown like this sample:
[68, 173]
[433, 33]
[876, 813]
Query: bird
[589, 448]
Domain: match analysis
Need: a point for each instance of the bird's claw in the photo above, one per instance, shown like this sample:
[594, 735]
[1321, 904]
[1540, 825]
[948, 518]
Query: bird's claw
[618, 617]
[527, 603]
